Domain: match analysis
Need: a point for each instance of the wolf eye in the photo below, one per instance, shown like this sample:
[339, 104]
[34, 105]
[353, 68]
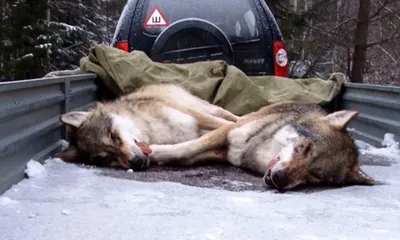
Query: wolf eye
[316, 174]
[114, 137]
[101, 159]
[306, 150]
[313, 179]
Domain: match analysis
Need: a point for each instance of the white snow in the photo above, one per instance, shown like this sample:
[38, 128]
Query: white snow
[42, 37]
[390, 151]
[67, 27]
[66, 212]
[35, 170]
[31, 215]
[238, 183]
[29, 55]
[72, 202]
[5, 201]
[28, 27]
[46, 45]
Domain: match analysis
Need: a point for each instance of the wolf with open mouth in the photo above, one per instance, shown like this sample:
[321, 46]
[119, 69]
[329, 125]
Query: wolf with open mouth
[117, 133]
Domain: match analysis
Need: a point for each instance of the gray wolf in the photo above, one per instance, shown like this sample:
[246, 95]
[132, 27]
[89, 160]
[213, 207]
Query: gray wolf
[118, 133]
[289, 144]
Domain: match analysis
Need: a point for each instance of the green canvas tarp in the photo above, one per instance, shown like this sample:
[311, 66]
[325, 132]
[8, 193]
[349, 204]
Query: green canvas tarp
[214, 81]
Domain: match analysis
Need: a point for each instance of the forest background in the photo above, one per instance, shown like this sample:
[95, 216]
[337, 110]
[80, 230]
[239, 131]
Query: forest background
[360, 38]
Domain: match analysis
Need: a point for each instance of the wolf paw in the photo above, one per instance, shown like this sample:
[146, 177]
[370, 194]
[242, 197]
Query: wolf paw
[162, 153]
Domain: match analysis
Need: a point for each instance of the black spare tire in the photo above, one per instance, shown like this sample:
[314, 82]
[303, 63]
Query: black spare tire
[191, 40]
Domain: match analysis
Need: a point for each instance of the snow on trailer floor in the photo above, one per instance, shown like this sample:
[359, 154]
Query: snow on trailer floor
[65, 201]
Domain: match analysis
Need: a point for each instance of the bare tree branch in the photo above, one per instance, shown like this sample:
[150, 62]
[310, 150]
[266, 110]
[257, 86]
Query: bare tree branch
[394, 36]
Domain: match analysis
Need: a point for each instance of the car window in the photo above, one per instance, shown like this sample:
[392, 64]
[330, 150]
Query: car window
[251, 23]
[236, 18]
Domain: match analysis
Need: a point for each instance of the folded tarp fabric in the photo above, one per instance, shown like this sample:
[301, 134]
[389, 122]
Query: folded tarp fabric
[214, 81]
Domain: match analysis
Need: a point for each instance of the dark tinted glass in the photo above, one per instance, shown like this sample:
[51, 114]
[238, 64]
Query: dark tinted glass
[236, 18]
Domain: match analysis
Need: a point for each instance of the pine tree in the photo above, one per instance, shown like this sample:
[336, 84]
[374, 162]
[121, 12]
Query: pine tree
[75, 25]
[24, 57]
[39, 36]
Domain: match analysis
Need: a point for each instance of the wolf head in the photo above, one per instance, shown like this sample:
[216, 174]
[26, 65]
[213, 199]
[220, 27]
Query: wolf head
[316, 151]
[105, 139]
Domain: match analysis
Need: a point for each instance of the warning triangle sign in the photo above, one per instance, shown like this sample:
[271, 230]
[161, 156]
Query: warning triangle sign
[155, 19]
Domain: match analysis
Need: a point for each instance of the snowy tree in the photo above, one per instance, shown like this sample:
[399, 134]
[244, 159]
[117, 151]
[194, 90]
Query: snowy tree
[74, 27]
[22, 58]
[38, 36]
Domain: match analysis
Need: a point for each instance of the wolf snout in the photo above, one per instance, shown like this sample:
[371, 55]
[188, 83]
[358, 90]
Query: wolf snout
[137, 163]
[277, 179]
[267, 178]
[280, 179]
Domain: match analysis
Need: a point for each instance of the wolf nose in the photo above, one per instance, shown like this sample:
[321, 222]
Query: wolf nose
[267, 178]
[136, 163]
[280, 179]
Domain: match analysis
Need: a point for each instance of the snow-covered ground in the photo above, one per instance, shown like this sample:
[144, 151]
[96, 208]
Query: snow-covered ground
[64, 201]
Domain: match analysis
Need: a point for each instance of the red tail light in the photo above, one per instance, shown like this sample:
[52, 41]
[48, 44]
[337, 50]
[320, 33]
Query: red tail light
[281, 67]
[123, 45]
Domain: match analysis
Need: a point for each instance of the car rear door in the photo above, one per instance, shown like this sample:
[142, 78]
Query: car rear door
[241, 21]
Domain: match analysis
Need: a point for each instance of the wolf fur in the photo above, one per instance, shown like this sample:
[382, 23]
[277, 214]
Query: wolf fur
[117, 133]
[288, 143]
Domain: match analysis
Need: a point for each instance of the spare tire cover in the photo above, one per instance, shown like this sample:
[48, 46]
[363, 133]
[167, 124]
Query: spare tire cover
[190, 40]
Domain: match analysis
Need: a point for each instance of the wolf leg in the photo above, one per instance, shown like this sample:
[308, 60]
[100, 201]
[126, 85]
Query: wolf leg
[181, 151]
[219, 112]
[204, 120]
[225, 114]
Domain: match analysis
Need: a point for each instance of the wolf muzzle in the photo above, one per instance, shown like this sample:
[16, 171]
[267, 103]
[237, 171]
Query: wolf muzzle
[138, 163]
[278, 179]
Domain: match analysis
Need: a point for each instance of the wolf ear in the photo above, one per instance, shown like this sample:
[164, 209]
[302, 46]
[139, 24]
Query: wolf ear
[357, 177]
[74, 119]
[340, 119]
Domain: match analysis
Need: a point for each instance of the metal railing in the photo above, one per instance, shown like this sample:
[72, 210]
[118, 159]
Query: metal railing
[29, 119]
[379, 108]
